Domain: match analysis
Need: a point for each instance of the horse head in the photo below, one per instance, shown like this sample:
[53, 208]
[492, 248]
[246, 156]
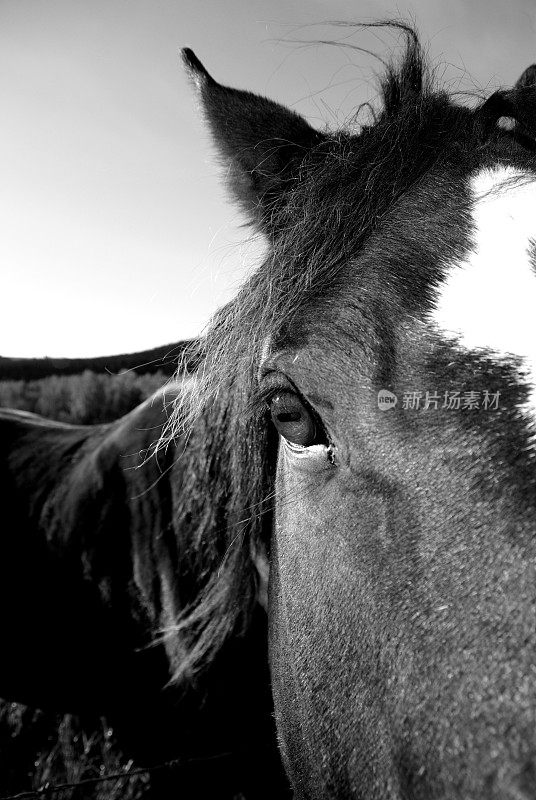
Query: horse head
[379, 367]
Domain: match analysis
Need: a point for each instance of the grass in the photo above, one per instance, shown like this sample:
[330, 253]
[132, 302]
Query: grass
[39, 749]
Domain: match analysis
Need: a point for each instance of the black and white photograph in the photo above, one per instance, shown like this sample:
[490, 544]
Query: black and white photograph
[267, 400]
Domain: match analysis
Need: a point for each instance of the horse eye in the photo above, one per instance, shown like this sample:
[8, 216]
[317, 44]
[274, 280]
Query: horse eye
[293, 419]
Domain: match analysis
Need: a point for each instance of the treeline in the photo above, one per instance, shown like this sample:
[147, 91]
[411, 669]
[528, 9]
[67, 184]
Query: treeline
[160, 359]
[81, 399]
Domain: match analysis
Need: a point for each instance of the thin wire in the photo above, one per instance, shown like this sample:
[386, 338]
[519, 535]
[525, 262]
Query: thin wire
[47, 789]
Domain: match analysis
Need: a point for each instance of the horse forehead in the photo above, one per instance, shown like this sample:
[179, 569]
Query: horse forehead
[489, 296]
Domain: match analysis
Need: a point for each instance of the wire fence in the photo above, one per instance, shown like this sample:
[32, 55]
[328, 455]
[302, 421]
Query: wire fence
[49, 790]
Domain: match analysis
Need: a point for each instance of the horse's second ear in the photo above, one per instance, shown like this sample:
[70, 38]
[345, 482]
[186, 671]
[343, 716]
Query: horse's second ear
[528, 78]
[262, 143]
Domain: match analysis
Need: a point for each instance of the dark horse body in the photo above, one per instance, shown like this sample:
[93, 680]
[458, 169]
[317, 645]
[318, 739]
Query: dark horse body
[402, 597]
[91, 570]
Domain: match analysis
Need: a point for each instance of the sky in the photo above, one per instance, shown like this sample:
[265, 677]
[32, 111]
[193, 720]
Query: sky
[116, 233]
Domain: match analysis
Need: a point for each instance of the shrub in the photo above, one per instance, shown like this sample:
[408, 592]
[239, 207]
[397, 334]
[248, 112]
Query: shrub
[81, 399]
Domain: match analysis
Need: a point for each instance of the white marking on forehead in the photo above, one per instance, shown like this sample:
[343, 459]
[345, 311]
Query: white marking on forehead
[489, 298]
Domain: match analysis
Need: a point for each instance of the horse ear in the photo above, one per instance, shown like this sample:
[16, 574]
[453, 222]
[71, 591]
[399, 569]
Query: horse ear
[528, 78]
[519, 104]
[261, 142]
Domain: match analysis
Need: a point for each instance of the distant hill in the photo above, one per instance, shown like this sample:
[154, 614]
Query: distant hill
[163, 359]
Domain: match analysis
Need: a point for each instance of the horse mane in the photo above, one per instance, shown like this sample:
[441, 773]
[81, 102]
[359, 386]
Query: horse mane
[225, 512]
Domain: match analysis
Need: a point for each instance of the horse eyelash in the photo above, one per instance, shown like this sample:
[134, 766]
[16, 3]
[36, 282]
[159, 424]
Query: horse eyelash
[260, 401]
